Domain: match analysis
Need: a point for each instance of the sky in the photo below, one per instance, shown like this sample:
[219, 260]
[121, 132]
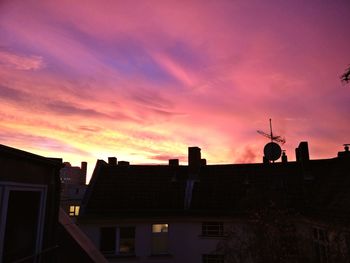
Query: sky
[143, 80]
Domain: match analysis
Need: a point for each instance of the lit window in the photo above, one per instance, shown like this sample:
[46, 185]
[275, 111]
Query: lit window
[213, 258]
[160, 239]
[159, 228]
[213, 229]
[117, 240]
[74, 210]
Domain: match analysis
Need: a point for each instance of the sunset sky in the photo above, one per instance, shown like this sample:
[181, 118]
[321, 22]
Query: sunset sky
[143, 80]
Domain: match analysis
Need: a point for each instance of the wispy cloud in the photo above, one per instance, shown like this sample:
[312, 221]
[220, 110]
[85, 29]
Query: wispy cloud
[21, 62]
[143, 80]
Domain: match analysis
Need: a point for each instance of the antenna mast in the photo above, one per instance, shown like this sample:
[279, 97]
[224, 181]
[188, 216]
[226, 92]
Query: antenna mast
[271, 130]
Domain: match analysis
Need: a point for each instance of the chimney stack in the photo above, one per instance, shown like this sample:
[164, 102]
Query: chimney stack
[194, 160]
[83, 168]
[112, 161]
[174, 162]
[302, 152]
[123, 163]
[194, 156]
[284, 157]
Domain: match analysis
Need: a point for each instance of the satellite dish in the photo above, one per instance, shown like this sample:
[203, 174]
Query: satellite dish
[272, 151]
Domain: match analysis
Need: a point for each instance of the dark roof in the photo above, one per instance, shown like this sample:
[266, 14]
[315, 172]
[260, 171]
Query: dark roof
[220, 190]
[16, 153]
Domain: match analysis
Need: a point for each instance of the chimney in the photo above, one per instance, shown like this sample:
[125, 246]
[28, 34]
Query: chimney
[302, 152]
[284, 157]
[194, 160]
[112, 161]
[203, 162]
[123, 163]
[194, 156]
[83, 168]
[265, 160]
[346, 152]
[174, 162]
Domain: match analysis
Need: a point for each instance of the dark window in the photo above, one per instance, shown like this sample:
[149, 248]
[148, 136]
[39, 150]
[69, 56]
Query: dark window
[127, 240]
[107, 240]
[213, 258]
[117, 241]
[212, 229]
[22, 222]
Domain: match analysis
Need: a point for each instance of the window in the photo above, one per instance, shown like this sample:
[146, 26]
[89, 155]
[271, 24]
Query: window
[117, 240]
[22, 210]
[107, 240]
[160, 239]
[213, 229]
[126, 240]
[74, 210]
[320, 242]
[213, 258]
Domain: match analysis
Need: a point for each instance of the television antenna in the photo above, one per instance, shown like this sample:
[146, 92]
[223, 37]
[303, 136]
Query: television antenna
[272, 137]
[272, 151]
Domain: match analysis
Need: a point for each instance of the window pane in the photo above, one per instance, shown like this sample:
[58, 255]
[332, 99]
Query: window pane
[160, 244]
[77, 208]
[159, 228]
[21, 227]
[107, 240]
[127, 240]
[213, 229]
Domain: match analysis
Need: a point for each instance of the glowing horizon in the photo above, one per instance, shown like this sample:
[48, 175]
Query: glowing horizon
[143, 80]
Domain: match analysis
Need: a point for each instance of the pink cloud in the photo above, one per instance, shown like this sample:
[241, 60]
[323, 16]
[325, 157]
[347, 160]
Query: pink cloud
[21, 62]
[147, 79]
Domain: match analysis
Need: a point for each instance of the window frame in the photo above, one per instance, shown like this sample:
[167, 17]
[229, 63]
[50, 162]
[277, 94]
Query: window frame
[117, 241]
[213, 258]
[75, 212]
[209, 229]
[159, 235]
[5, 190]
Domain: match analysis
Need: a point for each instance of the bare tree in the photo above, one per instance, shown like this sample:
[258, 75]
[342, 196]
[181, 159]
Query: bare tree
[346, 76]
[268, 236]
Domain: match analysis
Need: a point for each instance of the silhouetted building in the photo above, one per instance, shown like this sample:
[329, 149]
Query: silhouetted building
[32, 229]
[192, 213]
[73, 188]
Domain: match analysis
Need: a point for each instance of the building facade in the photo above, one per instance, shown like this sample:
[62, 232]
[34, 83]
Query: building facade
[73, 186]
[265, 212]
[29, 198]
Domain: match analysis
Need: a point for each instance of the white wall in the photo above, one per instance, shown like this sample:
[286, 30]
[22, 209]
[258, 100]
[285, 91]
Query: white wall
[185, 241]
